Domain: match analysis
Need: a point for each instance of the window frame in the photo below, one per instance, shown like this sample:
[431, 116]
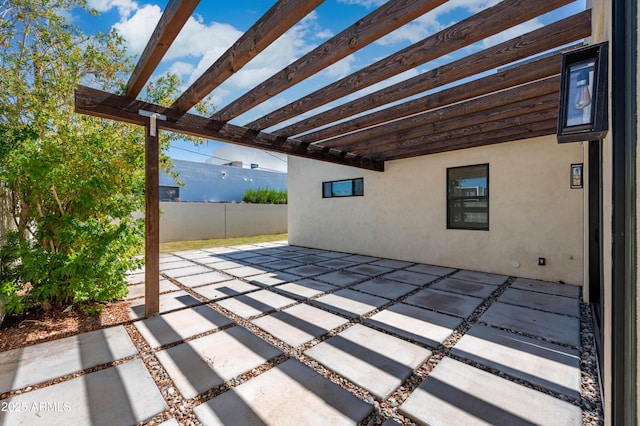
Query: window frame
[353, 193]
[166, 189]
[450, 224]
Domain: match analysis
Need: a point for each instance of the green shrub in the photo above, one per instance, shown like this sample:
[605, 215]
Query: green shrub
[265, 196]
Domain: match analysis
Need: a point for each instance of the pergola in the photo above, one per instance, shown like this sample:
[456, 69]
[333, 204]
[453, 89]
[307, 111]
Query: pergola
[455, 107]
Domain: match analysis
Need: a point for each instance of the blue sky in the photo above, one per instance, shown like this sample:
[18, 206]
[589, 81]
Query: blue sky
[215, 25]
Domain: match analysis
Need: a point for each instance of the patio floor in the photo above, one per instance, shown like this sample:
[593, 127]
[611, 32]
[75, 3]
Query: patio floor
[278, 334]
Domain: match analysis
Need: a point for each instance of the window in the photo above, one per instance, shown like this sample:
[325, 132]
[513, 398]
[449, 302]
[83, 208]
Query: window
[169, 193]
[468, 197]
[343, 188]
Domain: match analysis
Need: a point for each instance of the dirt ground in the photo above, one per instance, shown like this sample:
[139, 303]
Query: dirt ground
[39, 326]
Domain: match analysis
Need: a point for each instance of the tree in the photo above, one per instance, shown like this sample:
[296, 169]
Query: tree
[72, 181]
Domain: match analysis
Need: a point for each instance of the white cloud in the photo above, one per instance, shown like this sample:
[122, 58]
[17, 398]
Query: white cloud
[365, 3]
[513, 32]
[285, 50]
[433, 21]
[341, 68]
[137, 29]
[181, 69]
[125, 7]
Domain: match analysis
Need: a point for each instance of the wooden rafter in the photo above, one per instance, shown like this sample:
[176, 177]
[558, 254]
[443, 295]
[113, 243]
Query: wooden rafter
[121, 108]
[549, 37]
[378, 23]
[532, 71]
[489, 22]
[506, 103]
[490, 133]
[476, 117]
[282, 16]
[171, 22]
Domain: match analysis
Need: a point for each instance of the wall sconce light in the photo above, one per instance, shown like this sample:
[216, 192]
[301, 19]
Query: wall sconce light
[583, 95]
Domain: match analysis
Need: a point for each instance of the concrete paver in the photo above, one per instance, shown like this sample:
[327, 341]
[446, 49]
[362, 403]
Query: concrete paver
[256, 303]
[336, 264]
[481, 277]
[542, 301]
[299, 324]
[376, 361]
[409, 277]
[421, 325]
[260, 259]
[368, 269]
[385, 288]
[203, 279]
[168, 302]
[27, 366]
[139, 289]
[175, 326]
[391, 263]
[225, 289]
[465, 287]
[430, 269]
[245, 271]
[308, 270]
[273, 278]
[456, 393]
[125, 394]
[306, 288]
[349, 302]
[547, 287]
[341, 278]
[183, 272]
[333, 254]
[310, 258]
[553, 327]
[177, 263]
[551, 366]
[448, 303]
[279, 264]
[289, 394]
[209, 361]
[358, 258]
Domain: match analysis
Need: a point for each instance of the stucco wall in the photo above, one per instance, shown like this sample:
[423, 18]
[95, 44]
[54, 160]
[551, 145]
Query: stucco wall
[402, 215]
[202, 221]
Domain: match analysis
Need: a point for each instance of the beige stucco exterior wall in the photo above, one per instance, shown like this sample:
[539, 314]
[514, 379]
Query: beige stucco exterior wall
[202, 221]
[533, 211]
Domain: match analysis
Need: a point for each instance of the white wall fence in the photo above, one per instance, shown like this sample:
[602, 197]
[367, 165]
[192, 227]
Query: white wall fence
[202, 221]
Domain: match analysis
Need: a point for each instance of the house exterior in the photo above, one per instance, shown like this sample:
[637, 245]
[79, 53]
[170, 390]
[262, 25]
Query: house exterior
[210, 183]
[396, 182]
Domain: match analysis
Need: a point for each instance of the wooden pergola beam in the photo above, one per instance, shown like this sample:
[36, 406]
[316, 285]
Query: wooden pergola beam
[509, 102]
[455, 127]
[490, 21]
[121, 108]
[471, 136]
[171, 22]
[378, 23]
[508, 134]
[533, 71]
[282, 16]
[549, 37]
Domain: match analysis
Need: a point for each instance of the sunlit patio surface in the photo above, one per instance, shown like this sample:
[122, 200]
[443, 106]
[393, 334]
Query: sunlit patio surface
[278, 334]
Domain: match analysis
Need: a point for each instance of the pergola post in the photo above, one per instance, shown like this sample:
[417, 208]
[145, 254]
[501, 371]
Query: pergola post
[152, 217]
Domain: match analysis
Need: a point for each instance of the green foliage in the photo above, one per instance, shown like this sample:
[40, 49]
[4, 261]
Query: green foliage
[264, 196]
[72, 181]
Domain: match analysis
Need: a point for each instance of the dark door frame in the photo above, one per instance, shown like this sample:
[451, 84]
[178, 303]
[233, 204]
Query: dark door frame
[623, 344]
